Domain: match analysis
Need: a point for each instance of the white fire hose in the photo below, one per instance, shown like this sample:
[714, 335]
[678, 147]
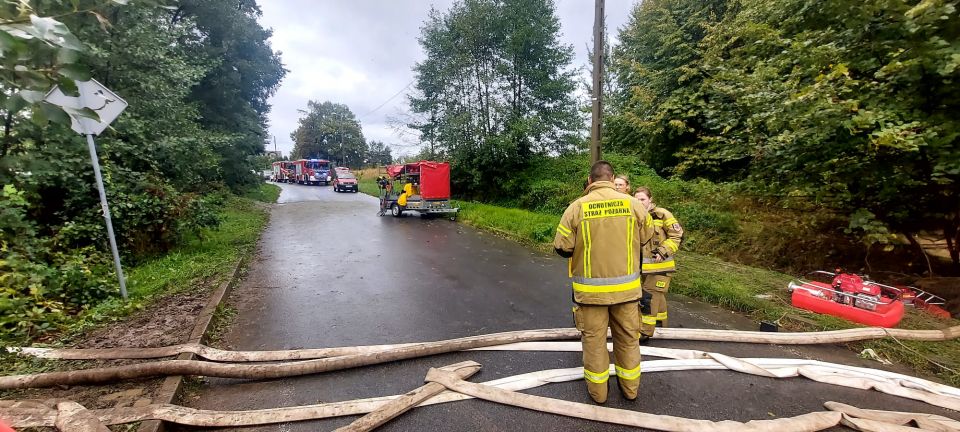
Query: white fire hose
[706, 335]
[32, 414]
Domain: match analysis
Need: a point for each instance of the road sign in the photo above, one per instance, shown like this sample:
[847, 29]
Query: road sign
[108, 106]
[94, 96]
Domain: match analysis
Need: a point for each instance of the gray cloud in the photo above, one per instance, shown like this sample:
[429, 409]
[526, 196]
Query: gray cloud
[362, 52]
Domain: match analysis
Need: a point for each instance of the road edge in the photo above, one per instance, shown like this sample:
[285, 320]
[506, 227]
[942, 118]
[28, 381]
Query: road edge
[172, 386]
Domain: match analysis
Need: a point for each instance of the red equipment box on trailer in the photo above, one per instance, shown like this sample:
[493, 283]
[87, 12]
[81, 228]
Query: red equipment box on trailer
[429, 184]
[434, 177]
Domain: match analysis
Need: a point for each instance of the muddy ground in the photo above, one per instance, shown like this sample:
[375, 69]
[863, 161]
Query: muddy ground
[168, 321]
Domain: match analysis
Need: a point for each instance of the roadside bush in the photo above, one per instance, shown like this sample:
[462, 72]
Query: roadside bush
[699, 217]
[40, 283]
[54, 258]
[739, 221]
[549, 196]
[151, 216]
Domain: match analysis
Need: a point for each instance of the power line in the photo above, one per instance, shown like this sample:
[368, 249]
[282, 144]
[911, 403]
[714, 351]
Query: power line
[390, 99]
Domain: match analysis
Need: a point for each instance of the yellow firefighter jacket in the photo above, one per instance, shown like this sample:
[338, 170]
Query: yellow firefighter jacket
[666, 242]
[407, 192]
[606, 231]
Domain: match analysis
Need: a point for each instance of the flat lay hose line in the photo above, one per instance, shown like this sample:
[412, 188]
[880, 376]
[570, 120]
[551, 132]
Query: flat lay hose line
[34, 414]
[705, 335]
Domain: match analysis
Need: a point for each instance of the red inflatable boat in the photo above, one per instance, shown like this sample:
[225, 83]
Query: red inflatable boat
[850, 297]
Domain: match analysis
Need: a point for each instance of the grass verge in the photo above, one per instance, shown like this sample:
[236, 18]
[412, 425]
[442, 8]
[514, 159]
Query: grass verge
[529, 228]
[368, 183]
[264, 192]
[757, 292]
[201, 263]
[210, 257]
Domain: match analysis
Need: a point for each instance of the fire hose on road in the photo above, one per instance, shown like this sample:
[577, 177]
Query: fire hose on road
[26, 415]
[504, 390]
[689, 334]
[370, 355]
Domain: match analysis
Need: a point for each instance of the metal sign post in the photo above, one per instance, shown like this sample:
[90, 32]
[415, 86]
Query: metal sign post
[108, 106]
[106, 215]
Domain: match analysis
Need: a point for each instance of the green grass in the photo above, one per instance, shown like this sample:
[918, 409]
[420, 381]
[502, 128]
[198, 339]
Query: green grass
[264, 192]
[368, 185]
[530, 228]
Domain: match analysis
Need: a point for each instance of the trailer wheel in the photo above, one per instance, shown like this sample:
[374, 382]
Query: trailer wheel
[395, 210]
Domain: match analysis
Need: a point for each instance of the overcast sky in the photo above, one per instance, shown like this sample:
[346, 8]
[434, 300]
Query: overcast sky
[362, 52]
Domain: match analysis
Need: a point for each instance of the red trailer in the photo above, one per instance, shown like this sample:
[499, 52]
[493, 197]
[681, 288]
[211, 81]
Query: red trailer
[423, 187]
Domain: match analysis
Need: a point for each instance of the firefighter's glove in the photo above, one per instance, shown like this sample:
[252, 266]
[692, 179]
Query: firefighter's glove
[645, 303]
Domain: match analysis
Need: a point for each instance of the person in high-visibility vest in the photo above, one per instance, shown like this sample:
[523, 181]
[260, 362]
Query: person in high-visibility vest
[603, 234]
[658, 263]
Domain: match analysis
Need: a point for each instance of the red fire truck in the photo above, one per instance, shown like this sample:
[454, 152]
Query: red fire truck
[313, 171]
[283, 171]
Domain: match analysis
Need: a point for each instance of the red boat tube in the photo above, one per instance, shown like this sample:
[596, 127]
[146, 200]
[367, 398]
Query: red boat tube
[819, 297]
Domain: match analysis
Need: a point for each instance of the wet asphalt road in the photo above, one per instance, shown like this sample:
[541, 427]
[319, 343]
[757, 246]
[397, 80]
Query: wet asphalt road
[329, 272]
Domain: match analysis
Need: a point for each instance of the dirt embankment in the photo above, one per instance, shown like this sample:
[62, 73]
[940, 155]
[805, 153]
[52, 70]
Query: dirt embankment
[168, 321]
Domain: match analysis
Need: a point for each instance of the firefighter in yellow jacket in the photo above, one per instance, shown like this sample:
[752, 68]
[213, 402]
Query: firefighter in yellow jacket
[603, 234]
[658, 262]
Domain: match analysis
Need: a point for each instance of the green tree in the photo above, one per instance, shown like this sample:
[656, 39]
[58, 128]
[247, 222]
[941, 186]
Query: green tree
[379, 154]
[38, 51]
[657, 69]
[495, 88]
[852, 103]
[233, 96]
[329, 131]
[163, 164]
[848, 103]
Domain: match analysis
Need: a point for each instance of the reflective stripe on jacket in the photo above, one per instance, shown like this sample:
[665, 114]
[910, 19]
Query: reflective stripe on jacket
[607, 232]
[666, 242]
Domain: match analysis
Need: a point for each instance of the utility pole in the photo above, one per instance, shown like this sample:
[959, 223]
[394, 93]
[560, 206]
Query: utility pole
[598, 52]
[343, 156]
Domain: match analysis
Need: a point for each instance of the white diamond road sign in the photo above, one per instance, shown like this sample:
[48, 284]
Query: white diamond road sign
[95, 96]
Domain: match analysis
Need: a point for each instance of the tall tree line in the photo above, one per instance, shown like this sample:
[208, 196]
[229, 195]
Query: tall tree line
[495, 88]
[330, 131]
[850, 104]
[196, 74]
